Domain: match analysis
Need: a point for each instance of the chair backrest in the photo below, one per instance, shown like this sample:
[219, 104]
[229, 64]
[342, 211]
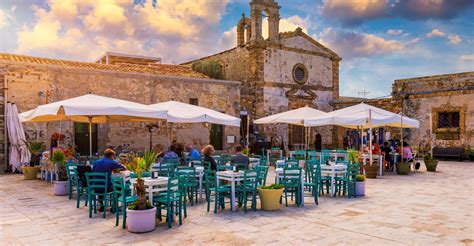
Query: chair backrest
[173, 189]
[210, 177]
[314, 172]
[195, 163]
[224, 159]
[241, 166]
[166, 169]
[224, 167]
[313, 155]
[262, 172]
[206, 165]
[292, 163]
[250, 179]
[72, 174]
[291, 175]
[186, 172]
[300, 154]
[352, 171]
[325, 156]
[97, 181]
[118, 185]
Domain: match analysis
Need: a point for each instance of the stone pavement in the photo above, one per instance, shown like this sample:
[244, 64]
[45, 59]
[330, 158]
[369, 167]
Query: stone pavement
[418, 209]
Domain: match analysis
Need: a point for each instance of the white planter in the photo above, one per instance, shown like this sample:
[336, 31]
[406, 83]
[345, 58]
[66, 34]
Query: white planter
[360, 188]
[61, 188]
[139, 221]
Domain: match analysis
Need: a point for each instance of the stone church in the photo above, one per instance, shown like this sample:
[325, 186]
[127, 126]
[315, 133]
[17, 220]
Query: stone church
[286, 71]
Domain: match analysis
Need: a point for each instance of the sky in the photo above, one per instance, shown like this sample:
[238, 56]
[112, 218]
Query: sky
[379, 40]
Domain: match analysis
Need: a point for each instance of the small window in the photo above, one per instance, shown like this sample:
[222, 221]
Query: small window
[300, 73]
[194, 101]
[448, 119]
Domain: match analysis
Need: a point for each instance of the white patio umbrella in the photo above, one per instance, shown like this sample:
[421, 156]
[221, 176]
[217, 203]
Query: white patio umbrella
[91, 109]
[294, 117]
[19, 152]
[364, 116]
[179, 112]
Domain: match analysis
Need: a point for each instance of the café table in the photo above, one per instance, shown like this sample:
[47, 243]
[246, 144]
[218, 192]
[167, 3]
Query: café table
[333, 170]
[153, 186]
[279, 175]
[253, 162]
[233, 178]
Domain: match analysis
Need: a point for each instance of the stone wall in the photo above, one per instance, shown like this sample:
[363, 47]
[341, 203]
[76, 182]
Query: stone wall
[27, 82]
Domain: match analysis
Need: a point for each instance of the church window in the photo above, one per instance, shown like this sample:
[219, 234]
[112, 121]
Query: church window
[300, 73]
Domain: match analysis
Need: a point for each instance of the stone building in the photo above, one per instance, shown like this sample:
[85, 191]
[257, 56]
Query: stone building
[448, 98]
[31, 81]
[285, 71]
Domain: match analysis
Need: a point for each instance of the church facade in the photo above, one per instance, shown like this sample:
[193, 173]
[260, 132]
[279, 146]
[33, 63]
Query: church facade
[288, 70]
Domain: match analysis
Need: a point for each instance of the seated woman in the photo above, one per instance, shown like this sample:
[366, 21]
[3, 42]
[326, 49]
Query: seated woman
[208, 151]
[407, 154]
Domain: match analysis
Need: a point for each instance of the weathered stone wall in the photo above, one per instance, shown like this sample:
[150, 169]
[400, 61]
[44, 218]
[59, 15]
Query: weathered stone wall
[26, 82]
[300, 42]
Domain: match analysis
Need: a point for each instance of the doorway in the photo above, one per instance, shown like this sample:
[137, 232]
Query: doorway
[318, 142]
[217, 136]
[81, 138]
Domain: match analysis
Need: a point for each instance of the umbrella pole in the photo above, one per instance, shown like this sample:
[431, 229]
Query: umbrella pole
[90, 136]
[370, 139]
[431, 135]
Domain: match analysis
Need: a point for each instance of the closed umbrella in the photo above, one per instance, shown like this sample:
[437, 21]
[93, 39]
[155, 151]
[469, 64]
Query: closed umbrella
[91, 109]
[19, 153]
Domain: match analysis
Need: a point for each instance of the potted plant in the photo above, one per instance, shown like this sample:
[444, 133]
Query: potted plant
[270, 196]
[469, 153]
[141, 215]
[31, 172]
[360, 185]
[61, 186]
[403, 168]
[430, 163]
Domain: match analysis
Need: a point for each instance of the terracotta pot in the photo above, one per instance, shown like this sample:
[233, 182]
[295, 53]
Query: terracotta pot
[371, 171]
[431, 165]
[403, 168]
[360, 188]
[140, 221]
[270, 199]
[30, 173]
[61, 188]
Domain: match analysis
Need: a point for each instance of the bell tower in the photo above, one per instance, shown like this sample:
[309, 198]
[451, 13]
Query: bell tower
[272, 10]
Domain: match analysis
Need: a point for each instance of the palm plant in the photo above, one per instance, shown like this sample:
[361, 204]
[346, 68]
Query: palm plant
[60, 158]
[35, 149]
[138, 165]
[150, 157]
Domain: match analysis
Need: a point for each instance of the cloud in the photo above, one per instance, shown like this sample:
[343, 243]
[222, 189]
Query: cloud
[176, 30]
[454, 39]
[469, 58]
[394, 31]
[435, 33]
[354, 12]
[352, 44]
[3, 18]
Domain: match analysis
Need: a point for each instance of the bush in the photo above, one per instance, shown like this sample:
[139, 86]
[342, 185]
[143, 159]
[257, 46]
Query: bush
[210, 68]
[360, 178]
[272, 187]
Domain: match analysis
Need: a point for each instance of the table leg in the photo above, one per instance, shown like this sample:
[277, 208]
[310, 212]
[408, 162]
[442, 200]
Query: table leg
[302, 189]
[333, 185]
[200, 187]
[380, 165]
[232, 195]
[150, 195]
[395, 164]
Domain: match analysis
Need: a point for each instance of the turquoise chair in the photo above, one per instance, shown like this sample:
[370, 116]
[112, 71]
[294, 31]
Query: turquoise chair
[172, 201]
[292, 163]
[122, 198]
[292, 182]
[312, 181]
[97, 185]
[300, 154]
[74, 181]
[262, 172]
[247, 188]
[219, 190]
[189, 184]
[347, 183]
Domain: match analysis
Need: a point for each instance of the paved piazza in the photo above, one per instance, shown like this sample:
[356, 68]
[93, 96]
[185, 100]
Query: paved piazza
[419, 209]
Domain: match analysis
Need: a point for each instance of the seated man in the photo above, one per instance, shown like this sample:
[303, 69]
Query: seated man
[107, 165]
[239, 157]
[193, 153]
[170, 154]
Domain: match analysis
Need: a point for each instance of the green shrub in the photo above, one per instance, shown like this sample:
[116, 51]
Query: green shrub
[272, 187]
[210, 68]
[58, 157]
[360, 178]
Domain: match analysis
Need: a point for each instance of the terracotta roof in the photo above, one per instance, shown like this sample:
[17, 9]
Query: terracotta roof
[158, 69]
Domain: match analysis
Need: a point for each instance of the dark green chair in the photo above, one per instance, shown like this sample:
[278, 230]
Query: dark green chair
[75, 183]
[262, 172]
[189, 185]
[347, 183]
[97, 185]
[247, 188]
[241, 166]
[220, 191]
[171, 201]
[292, 182]
[122, 198]
[300, 155]
[312, 181]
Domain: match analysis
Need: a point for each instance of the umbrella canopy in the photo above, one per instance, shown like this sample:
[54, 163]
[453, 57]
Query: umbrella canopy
[178, 112]
[294, 117]
[19, 153]
[358, 116]
[91, 108]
